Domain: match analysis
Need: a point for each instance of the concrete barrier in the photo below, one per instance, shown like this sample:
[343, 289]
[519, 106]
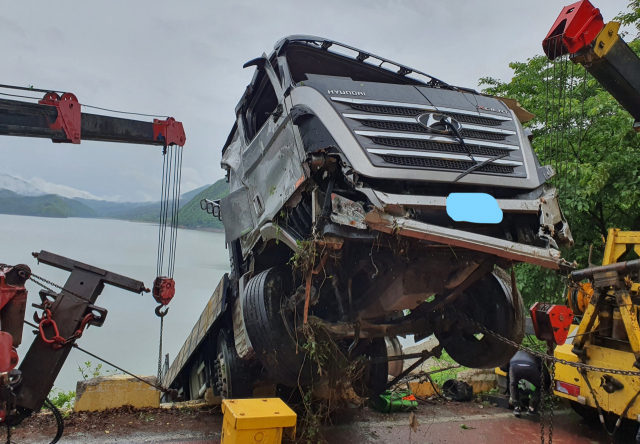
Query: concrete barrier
[482, 380]
[108, 392]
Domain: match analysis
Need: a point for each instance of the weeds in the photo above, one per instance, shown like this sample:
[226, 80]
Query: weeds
[146, 417]
[61, 399]
[89, 371]
[334, 389]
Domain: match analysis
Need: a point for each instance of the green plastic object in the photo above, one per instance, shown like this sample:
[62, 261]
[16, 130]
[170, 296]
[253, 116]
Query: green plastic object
[398, 401]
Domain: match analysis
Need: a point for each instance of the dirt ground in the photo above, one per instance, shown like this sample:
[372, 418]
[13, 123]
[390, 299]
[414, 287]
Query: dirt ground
[125, 425]
[438, 422]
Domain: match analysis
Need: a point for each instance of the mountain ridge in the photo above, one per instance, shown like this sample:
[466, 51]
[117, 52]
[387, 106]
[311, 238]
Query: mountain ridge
[190, 216]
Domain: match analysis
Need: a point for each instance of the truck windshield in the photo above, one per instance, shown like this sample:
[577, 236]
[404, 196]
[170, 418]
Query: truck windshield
[305, 59]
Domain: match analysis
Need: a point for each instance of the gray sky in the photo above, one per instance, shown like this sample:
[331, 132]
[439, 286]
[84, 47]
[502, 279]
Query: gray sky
[184, 59]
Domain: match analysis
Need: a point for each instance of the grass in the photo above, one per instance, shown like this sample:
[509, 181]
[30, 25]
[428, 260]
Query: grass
[445, 361]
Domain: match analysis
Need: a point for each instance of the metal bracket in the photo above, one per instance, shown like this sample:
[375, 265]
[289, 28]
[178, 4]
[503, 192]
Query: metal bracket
[69, 116]
[42, 363]
[211, 207]
[171, 131]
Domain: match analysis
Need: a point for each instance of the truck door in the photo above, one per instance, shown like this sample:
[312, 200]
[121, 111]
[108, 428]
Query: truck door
[271, 163]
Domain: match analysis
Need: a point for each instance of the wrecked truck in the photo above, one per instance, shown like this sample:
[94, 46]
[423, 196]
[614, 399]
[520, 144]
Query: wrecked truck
[339, 166]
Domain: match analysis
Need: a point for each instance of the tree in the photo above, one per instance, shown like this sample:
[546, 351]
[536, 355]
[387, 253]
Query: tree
[588, 138]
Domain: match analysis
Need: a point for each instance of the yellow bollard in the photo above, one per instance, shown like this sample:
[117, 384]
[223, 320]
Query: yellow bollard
[257, 421]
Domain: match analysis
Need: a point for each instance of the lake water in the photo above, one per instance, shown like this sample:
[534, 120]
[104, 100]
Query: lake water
[129, 336]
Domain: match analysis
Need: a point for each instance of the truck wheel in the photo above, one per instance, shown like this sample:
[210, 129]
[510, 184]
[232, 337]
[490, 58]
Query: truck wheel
[271, 331]
[233, 375]
[374, 376]
[490, 302]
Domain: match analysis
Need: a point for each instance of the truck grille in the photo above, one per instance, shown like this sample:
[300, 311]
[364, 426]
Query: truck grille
[438, 146]
[400, 111]
[392, 136]
[445, 164]
[414, 127]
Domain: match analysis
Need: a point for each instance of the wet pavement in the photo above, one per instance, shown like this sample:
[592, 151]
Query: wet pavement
[442, 422]
[493, 428]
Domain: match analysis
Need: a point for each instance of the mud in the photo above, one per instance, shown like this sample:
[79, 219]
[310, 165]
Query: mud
[437, 422]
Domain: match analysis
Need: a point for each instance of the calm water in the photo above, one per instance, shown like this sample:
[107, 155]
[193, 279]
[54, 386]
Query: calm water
[129, 337]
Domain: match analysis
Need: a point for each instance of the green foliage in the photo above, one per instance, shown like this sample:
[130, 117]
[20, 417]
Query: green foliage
[62, 399]
[582, 131]
[88, 371]
[192, 216]
[631, 17]
[445, 361]
[49, 205]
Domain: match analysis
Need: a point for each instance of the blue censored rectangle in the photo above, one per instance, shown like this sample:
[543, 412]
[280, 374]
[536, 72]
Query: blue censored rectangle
[479, 208]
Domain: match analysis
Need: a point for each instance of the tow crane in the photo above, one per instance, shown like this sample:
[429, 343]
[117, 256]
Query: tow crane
[608, 336]
[66, 314]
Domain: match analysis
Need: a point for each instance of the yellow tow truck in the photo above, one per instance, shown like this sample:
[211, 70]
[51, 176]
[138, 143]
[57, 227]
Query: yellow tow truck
[608, 335]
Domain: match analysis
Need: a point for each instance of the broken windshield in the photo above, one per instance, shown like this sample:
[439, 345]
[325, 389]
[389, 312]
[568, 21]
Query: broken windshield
[305, 59]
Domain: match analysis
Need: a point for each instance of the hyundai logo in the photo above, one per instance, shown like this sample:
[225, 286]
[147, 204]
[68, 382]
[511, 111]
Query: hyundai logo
[439, 123]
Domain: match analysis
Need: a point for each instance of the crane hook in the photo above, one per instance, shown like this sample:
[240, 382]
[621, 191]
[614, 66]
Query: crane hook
[159, 313]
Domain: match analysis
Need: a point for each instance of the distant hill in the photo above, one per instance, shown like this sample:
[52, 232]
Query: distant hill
[52, 205]
[8, 193]
[192, 216]
[19, 186]
[135, 211]
[49, 205]
[189, 195]
[107, 208]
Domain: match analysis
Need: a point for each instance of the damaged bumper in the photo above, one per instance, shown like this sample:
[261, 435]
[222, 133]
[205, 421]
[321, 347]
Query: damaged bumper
[391, 215]
[548, 258]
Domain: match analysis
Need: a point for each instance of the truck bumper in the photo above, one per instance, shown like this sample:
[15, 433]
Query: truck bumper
[548, 258]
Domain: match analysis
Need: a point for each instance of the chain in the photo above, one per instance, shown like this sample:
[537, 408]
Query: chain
[544, 356]
[35, 278]
[160, 353]
[543, 395]
[44, 282]
[552, 373]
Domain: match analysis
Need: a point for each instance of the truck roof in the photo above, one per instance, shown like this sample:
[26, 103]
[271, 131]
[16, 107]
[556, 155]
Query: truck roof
[325, 44]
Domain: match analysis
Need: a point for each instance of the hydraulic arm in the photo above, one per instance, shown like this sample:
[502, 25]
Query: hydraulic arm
[66, 314]
[60, 119]
[581, 32]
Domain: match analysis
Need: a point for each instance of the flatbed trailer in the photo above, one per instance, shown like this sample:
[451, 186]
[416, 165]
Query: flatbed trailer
[190, 371]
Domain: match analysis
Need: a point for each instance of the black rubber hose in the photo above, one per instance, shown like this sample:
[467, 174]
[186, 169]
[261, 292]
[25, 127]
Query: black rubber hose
[59, 420]
[326, 208]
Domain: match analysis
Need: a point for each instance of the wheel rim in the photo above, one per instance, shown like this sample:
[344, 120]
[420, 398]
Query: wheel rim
[490, 303]
[222, 377]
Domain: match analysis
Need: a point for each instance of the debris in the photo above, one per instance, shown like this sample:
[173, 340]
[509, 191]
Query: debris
[413, 422]
[466, 427]
[398, 401]
[457, 390]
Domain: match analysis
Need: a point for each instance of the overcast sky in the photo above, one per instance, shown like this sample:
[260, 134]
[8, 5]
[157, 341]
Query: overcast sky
[184, 59]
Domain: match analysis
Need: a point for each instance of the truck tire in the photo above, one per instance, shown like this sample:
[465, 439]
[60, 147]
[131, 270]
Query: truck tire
[233, 375]
[271, 332]
[490, 302]
[374, 376]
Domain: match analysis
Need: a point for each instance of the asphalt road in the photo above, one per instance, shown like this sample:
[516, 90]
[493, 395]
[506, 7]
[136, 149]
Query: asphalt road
[450, 423]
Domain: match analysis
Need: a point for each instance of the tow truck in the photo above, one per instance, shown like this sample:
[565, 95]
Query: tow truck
[64, 315]
[605, 298]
